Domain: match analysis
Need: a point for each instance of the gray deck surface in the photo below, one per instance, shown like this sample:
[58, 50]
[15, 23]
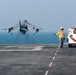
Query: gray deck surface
[37, 60]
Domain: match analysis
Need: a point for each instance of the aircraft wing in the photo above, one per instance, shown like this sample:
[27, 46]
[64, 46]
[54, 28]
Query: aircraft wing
[10, 29]
[30, 26]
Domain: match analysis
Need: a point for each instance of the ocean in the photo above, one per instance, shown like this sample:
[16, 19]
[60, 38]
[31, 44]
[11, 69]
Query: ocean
[29, 38]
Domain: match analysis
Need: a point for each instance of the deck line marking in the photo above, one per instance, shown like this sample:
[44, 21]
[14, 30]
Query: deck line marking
[17, 50]
[55, 54]
[53, 57]
[39, 48]
[51, 63]
[17, 47]
[46, 73]
[59, 46]
[56, 51]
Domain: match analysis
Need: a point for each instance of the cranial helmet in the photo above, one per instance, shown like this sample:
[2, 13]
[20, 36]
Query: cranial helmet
[61, 28]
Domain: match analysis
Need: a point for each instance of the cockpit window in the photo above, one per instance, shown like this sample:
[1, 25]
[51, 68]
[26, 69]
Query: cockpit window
[25, 20]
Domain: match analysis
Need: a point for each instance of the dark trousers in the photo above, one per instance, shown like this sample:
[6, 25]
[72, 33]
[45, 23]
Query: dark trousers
[61, 41]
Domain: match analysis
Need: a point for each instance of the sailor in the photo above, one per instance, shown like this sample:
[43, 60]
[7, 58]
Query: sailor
[61, 35]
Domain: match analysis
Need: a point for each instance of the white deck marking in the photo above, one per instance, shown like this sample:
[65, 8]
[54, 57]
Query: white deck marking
[50, 64]
[58, 48]
[55, 54]
[38, 48]
[8, 46]
[53, 57]
[18, 47]
[56, 51]
[17, 50]
[52, 60]
[46, 73]
[22, 48]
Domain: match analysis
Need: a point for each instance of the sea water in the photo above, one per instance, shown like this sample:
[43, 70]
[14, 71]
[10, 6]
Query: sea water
[29, 38]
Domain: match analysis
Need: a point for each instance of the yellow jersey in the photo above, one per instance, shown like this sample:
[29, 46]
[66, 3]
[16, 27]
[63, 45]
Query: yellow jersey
[61, 34]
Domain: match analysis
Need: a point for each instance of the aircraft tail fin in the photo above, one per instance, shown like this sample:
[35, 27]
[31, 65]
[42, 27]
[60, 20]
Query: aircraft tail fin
[20, 23]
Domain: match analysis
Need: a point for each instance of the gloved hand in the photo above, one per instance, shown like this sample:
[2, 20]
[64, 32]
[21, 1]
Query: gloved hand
[54, 34]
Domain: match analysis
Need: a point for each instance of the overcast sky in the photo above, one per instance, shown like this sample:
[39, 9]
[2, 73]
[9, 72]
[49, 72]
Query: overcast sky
[47, 14]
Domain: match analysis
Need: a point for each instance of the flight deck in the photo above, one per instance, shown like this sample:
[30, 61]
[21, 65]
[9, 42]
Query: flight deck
[37, 60]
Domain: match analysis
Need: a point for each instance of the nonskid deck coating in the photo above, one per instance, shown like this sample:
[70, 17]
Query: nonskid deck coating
[30, 61]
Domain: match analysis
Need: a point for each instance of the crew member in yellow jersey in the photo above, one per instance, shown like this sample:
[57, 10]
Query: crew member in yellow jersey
[61, 35]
